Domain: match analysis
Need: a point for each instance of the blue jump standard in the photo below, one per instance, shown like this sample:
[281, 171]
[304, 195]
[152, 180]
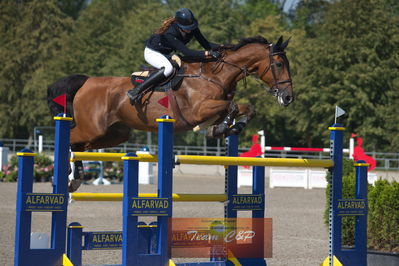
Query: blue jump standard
[149, 245]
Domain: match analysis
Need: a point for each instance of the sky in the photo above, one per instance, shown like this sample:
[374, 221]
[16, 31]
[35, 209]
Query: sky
[289, 4]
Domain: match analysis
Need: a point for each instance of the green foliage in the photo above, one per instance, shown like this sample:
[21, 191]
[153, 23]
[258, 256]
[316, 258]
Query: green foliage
[9, 173]
[113, 170]
[36, 30]
[42, 169]
[351, 62]
[72, 7]
[383, 219]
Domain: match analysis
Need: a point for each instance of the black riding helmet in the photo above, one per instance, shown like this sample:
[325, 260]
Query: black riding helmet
[185, 19]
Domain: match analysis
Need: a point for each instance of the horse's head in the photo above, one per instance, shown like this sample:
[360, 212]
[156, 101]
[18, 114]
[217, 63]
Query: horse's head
[274, 70]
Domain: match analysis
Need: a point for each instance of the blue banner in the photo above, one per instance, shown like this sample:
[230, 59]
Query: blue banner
[250, 202]
[351, 207]
[150, 206]
[45, 202]
[103, 240]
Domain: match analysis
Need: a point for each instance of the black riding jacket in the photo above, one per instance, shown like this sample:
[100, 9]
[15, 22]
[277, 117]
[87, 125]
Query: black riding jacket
[174, 40]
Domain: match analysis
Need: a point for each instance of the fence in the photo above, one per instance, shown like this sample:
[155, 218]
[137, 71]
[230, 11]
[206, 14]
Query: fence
[385, 161]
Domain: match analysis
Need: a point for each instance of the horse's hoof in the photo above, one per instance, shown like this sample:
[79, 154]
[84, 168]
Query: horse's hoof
[74, 184]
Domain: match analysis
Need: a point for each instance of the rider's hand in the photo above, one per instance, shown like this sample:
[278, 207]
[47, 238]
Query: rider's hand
[214, 54]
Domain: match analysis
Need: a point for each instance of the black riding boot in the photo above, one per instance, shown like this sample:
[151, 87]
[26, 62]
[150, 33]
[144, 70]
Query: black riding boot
[136, 93]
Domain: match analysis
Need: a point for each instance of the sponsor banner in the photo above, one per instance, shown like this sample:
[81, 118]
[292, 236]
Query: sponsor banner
[221, 238]
[150, 206]
[250, 202]
[103, 240]
[351, 207]
[45, 202]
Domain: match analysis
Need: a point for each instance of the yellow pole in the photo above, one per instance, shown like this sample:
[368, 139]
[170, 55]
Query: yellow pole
[108, 156]
[207, 160]
[175, 196]
[224, 160]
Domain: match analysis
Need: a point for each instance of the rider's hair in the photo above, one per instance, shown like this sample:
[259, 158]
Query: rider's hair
[165, 25]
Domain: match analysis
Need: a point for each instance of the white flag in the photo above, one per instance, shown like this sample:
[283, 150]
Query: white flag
[338, 112]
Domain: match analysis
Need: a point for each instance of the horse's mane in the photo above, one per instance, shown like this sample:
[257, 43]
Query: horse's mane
[244, 41]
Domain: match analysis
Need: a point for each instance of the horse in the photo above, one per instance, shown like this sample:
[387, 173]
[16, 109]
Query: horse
[103, 116]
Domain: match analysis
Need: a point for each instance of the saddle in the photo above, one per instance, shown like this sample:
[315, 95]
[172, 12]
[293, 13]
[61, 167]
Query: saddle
[172, 82]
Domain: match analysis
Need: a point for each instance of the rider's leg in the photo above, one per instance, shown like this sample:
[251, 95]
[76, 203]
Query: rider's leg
[157, 60]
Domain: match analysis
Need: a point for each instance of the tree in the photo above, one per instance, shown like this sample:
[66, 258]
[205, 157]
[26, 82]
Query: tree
[353, 64]
[36, 30]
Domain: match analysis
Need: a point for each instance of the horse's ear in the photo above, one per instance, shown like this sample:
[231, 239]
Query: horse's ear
[285, 44]
[279, 41]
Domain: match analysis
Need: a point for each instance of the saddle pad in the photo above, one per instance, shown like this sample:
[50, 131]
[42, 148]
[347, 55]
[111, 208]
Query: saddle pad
[173, 83]
[175, 59]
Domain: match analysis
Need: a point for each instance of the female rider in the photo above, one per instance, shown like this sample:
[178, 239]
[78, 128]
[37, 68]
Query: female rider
[173, 35]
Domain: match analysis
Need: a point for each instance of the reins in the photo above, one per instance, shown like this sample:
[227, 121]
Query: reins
[274, 89]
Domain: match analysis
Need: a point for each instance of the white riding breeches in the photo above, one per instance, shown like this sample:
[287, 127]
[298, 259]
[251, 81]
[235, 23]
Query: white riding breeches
[158, 60]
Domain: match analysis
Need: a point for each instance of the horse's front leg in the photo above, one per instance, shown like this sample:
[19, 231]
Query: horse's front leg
[222, 129]
[246, 113]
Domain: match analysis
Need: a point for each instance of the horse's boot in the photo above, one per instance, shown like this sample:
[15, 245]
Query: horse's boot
[78, 176]
[136, 93]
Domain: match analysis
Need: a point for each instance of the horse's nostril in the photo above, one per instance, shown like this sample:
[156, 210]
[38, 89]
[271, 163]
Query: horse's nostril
[288, 99]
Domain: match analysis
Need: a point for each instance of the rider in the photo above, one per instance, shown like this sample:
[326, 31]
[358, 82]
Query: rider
[173, 35]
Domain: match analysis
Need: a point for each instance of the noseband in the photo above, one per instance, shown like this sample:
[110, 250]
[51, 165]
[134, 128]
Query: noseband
[275, 90]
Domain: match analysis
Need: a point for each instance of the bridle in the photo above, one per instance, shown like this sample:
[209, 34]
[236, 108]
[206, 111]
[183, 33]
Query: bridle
[275, 90]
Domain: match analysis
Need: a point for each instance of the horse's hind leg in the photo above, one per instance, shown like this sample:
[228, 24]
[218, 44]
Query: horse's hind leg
[115, 135]
[77, 171]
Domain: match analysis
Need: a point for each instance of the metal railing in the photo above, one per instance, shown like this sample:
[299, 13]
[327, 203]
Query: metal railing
[385, 161]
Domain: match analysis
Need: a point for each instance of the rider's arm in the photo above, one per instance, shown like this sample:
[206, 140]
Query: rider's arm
[178, 45]
[203, 41]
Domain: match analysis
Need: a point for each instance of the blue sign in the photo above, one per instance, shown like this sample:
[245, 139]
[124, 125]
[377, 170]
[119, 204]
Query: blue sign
[150, 207]
[103, 240]
[250, 202]
[352, 207]
[45, 202]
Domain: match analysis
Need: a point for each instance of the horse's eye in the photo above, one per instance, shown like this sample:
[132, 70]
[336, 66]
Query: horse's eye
[279, 64]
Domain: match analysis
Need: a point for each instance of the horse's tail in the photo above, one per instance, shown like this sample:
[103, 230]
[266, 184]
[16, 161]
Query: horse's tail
[67, 85]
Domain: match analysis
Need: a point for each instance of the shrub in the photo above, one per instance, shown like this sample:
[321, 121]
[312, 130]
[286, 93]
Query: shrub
[114, 170]
[43, 169]
[9, 173]
[383, 219]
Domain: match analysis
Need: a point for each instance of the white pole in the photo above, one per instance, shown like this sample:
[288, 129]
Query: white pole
[351, 147]
[40, 143]
[262, 142]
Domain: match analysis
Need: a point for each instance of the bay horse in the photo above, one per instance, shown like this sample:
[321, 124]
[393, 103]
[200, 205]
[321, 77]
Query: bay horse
[103, 115]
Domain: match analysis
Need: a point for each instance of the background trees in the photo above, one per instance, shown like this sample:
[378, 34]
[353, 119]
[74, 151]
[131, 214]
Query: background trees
[341, 53]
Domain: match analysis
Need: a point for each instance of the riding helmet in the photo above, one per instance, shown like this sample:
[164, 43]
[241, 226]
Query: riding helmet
[185, 19]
